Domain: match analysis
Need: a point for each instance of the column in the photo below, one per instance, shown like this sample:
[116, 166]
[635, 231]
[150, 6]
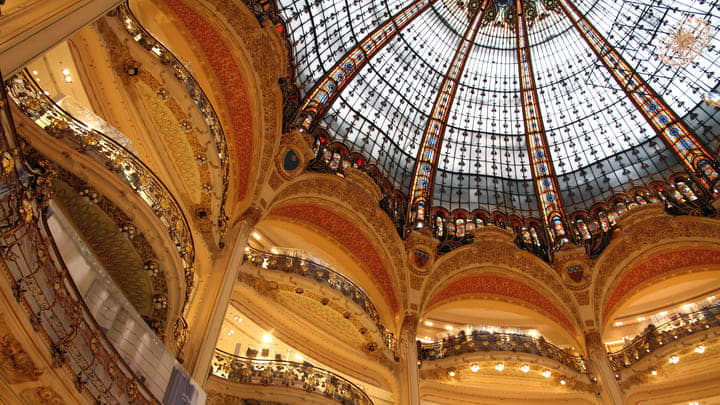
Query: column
[600, 366]
[409, 375]
[210, 306]
[30, 30]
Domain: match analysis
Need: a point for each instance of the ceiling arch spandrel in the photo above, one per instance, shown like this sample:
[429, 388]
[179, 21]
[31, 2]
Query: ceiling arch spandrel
[655, 268]
[496, 253]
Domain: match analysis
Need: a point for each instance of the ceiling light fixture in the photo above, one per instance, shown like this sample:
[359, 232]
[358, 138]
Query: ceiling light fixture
[525, 368]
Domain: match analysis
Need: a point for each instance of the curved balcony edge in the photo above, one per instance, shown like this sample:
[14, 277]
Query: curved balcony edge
[156, 48]
[41, 284]
[500, 342]
[329, 277]
[129, 169]
[657, 337]
[301, 376]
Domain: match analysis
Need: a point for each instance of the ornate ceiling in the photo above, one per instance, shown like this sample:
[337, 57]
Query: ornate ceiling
[402, 61]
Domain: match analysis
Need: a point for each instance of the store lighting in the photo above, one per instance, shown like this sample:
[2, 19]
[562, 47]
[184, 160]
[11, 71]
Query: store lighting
[448, 327]
[618, 323]
[298, 357]
[267, 338]
[474, 368]
[66, 72]
[562, 382]
[640, 318]
[428, 323]
[525, 368]
[499, 367]
[700, 349]
[68, 79]
[674, 359]
[654, 372]
[546, 373]
[256, 236]
[451, 373]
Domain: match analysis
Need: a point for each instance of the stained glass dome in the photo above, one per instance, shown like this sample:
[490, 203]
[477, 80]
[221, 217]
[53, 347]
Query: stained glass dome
[376, 75]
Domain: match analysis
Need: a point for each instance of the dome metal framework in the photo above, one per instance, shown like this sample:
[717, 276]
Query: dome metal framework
[535, 108]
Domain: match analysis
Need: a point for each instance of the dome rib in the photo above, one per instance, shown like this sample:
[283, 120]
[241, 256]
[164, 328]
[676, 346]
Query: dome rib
[545, 180]
[426, 162]
[331, 85]
[670, 128]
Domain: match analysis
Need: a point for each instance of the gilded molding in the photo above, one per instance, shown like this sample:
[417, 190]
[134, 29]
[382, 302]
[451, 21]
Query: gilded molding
[15, 363]
[354, 200]
[499, 253]
[639, 239]
[264, 49]
[176, 130]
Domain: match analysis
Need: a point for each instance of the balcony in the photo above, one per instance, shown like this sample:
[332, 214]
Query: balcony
[120, 163]
[42, 286]
[287, 374]
[500, 342]
[662, 335]
[321, 274]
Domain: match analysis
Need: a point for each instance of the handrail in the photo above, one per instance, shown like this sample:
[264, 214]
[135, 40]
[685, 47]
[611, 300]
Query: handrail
[480, 341]
[43, 287]
[59, 124]
[659, 336]
[288, 374]
[331, 278]
[156, 48]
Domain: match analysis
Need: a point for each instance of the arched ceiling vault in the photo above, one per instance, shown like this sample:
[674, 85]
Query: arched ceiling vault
[238, 66]
[339, 228]
[353, 200]
[648, 246]
[657, 265]
[484, 283]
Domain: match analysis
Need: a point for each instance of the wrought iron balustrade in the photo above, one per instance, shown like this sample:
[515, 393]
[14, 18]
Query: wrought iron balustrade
[156, 48]
[480, 341]
[119, 161]
[668, 332]
[42, 285]
[325, 275]
[290, 374]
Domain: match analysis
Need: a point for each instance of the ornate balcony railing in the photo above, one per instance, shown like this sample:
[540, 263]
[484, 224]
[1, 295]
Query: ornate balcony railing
[659, 336]
[119, 161]
[196, 93]
[42, 285]
[480, 341]
[288, 374]
[325, 275]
